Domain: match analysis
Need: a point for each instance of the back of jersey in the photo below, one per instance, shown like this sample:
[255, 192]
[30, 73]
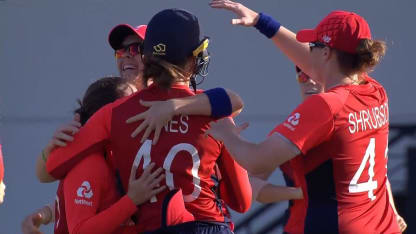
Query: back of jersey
[357, 159]
[187, 156]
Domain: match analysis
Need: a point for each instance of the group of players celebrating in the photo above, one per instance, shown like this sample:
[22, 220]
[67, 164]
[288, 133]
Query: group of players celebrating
[147, 152]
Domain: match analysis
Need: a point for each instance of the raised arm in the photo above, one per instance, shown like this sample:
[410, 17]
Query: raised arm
[282, 37]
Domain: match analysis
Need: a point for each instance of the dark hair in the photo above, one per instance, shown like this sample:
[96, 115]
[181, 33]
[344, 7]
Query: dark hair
[369, 54]
[100, 93]
[162, 72]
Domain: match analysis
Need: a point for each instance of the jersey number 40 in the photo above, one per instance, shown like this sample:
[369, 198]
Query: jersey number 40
[144, 152]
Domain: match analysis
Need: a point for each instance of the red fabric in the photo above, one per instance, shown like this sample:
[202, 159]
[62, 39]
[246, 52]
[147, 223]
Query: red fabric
[187, 156]
[235, 188]
[297, 209]
[352, 120]
[92, 204]
[176, 212]
[341, 30]
[1, 165]
[121, 31]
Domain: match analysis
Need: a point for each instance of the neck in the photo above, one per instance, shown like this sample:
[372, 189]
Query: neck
[335, 77]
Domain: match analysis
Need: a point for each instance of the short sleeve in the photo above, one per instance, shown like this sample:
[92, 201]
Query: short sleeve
[311, 123]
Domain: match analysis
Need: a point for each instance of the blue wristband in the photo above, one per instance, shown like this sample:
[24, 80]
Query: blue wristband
[220, 102]
[267, 25]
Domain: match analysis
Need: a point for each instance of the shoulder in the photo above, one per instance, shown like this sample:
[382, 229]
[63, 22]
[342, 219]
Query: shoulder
[334, 99]
[93, 165]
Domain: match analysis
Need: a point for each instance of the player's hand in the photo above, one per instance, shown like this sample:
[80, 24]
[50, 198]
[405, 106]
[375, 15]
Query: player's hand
[225, 127]
[247, 17]
[31, 223]
[401, 222]
[146, 186]
[64, 134]
[154, 119]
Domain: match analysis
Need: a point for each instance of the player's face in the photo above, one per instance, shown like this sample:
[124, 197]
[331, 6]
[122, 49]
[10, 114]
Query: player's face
[130, 64]
[2, 191]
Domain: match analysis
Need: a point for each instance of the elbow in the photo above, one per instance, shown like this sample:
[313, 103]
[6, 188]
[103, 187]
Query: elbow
[237, 103]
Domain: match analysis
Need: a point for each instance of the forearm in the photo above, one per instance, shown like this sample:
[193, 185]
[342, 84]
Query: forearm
[275, 193]
[390, 194]
[200, 104]
[107, 221]
[298, 53]
[260, 158]
[41, 172]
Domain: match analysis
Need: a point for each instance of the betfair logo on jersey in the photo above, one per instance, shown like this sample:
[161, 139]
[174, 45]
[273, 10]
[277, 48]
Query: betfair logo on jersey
[159, 49]
[293, 121]
[84, 191]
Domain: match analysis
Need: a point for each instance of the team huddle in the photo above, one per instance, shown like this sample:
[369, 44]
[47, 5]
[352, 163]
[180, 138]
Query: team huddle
[148, 152]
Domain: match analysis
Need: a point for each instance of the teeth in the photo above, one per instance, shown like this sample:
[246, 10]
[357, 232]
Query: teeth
[125, 67]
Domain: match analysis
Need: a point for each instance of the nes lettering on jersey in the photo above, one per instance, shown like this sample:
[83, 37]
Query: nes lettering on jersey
[84, 191]
[368, 119]
[292, 121]
[179, 124]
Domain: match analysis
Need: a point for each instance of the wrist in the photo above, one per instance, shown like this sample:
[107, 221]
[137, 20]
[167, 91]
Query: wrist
[267, 25]
[220, 102]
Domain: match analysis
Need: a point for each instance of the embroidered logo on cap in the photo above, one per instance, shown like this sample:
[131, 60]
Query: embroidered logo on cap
[326, 39]
[159, 49]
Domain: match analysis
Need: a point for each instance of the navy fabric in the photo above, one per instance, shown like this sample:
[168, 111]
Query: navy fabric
[322, 213]
[267, 25]
[172, 35]
[220, 102]
[196, 227]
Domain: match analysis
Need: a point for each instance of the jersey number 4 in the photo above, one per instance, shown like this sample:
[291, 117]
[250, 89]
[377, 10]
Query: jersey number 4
[371, 184]
[144, 152]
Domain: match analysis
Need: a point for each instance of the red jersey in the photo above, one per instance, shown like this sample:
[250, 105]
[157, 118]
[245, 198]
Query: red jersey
[88, 201]
[187, 156]
[343, 136]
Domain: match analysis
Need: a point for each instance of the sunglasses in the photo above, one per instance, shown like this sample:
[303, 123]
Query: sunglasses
[133, 49]
[316, 44]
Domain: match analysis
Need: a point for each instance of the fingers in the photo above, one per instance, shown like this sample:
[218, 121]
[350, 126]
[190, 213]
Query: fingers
[243, 127]
[37, 219]
[57, 142]
[157, 134]
[77, 117]
[153, 175]
[237, 22]
[148, 170]
[147, 103]
[155, 182]
[146, 134]
[63, 137]
[136, 132]
[136, 118]
[157, 190]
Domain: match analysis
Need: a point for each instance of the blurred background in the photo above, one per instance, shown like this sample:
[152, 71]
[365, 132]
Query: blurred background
[51, 50]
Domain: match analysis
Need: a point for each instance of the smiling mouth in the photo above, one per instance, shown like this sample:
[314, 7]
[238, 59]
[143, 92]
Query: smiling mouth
[129, 67]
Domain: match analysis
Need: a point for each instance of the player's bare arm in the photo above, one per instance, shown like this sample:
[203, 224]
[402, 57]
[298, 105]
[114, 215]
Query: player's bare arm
[60, 138]
[160, 112]
[284, 39]
[255, 157]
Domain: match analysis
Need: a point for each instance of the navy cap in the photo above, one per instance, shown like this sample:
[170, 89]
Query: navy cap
[172, 35]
